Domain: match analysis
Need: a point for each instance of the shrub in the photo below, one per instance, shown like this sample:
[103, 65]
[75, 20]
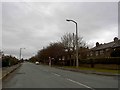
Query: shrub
[9, 61]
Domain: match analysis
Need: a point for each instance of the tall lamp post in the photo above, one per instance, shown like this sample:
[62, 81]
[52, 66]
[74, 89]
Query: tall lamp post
[21, 52]
[77, 62]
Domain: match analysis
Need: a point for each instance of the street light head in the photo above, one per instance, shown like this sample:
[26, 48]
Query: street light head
[67, 20]
[71, 21]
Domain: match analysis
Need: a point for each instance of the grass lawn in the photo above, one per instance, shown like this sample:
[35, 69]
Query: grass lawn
[95, 69]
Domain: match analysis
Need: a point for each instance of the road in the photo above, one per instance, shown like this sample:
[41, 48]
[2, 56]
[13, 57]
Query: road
[0, 77]
[30, 75]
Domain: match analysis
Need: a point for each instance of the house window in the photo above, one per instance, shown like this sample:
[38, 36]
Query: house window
[88, 54]
[107, 50]
[101, 52]
[91, 53]
[96, 53]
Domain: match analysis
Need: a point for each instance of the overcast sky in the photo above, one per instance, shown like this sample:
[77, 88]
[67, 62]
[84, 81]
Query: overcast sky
[33, 25]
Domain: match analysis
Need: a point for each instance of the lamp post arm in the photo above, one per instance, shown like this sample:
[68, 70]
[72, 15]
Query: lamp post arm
[77, 61]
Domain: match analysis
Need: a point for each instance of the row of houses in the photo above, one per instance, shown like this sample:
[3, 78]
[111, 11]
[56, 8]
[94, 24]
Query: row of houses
[111, 49]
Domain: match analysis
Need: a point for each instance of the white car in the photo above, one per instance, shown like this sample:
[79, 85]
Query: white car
[36, 63]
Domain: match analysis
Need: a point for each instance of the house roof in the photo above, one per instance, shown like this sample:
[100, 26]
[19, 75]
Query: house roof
[107, 45]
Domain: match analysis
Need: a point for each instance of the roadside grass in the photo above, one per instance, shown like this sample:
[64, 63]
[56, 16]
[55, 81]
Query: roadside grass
[94, 69]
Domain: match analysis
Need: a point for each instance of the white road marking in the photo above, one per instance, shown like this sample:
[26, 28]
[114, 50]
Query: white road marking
[56, 74]
[80, 84]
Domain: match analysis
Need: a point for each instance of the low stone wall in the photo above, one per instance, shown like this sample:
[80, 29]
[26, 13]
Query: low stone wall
[102, 66]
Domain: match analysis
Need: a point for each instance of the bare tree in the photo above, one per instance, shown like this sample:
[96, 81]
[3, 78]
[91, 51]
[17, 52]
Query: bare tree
[69, 40]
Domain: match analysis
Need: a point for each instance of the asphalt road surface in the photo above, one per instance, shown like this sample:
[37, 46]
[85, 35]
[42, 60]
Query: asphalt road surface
[30, 75]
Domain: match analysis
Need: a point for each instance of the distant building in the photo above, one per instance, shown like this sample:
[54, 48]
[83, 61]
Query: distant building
[111, 49]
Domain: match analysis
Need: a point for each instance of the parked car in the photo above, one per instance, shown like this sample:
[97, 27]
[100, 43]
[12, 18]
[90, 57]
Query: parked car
[37, 63]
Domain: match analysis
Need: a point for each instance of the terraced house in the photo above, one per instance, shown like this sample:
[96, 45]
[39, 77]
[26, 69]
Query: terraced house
[111, 49]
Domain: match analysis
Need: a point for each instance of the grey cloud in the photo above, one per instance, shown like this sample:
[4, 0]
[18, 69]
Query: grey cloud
[119, 19]
[0, 26]
[35, 25]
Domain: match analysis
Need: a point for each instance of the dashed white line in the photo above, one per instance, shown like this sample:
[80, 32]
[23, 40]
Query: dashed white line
[75, 82]
[56, 74]
[80, 84]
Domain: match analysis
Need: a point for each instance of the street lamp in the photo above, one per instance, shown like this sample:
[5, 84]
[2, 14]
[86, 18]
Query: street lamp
[77, 62]
[21, 52]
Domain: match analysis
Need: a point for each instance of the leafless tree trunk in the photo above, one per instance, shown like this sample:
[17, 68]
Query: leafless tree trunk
[68, 41]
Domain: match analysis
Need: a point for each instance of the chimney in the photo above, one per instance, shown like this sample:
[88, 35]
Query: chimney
[97, 44]
[116, 40]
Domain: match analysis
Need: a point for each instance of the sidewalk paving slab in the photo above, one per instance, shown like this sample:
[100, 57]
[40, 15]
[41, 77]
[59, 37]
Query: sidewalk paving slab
[7, 70]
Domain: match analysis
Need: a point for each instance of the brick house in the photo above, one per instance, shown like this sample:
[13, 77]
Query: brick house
[111, 49]
[83, 52]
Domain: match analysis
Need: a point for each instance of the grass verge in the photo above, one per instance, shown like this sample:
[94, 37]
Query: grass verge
[95, 69]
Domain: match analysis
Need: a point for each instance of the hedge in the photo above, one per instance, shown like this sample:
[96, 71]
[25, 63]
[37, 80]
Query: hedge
[9, 61]
[110, 60]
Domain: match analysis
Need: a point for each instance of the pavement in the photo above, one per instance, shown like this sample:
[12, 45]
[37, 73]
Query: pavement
[7, 70]
[30, 75]
[0, 73]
